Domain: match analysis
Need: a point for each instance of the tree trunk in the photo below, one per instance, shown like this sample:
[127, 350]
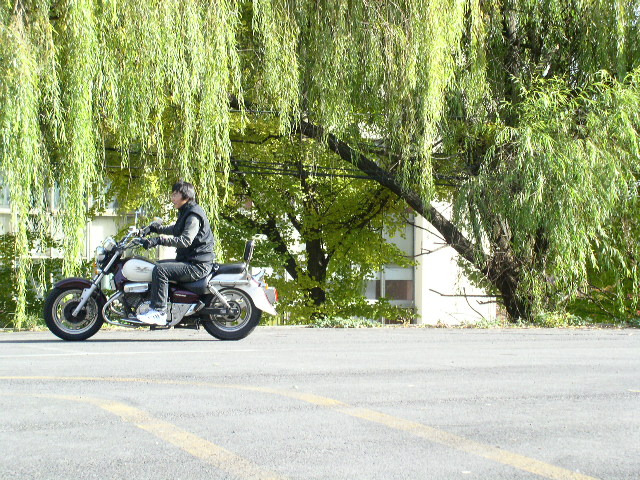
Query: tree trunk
[317, 270]
[506, 278]
[504, 275]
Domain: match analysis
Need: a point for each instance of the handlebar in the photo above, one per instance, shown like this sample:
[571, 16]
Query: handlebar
[127, 242]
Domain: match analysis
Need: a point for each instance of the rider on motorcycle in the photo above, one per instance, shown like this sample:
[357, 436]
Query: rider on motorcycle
[192, 237]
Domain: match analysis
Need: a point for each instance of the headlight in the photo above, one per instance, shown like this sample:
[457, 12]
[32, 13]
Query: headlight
[109, 244]
[101, 254]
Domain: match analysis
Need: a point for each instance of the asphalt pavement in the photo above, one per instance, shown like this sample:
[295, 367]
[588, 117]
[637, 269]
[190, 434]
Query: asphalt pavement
[301, 403]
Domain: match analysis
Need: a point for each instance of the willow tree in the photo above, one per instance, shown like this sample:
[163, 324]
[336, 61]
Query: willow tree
[78, 77]
[531, 106]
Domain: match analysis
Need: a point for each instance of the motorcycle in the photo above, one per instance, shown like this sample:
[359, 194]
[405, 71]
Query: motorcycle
[228, 302]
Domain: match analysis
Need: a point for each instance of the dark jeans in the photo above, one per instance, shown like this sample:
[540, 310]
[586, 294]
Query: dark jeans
[166, 270]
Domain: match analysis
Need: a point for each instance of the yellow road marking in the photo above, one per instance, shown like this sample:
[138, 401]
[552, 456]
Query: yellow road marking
[211, 453]
[460, 443]
[305, 397]
[431, 434]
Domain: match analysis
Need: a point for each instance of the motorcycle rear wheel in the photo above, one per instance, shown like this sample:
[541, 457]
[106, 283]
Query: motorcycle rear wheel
[57, 314]
[237, 325]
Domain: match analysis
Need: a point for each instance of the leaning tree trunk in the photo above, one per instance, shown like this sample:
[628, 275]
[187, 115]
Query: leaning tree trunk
[506, 279]
[504, 275]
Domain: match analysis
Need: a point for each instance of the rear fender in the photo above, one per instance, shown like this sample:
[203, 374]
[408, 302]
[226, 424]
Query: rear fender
[81, 283]
[258, 295]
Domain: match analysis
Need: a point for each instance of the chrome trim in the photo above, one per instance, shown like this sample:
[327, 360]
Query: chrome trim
[218, 295]
[100, 254]
[177, 311]
[109, 244]
[86, 295]
[195, 307]
[230, 283]
[125, 322]
[138, 287]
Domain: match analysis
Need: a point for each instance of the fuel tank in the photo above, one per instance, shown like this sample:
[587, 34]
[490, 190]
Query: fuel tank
[138, 270]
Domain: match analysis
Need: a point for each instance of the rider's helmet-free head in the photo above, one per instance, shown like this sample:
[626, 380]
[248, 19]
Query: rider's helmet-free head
[185, 189]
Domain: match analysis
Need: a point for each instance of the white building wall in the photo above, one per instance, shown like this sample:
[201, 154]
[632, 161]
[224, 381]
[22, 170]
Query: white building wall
[439, 281]
[98, 229]
[5, 221]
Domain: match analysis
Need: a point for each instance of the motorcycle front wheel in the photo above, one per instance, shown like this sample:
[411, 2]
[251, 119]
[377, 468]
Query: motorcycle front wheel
[58, 308]
[244, 316]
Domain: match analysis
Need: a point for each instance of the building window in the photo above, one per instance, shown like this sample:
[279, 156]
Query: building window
[396, 283]
[399, 290]
[393, 283]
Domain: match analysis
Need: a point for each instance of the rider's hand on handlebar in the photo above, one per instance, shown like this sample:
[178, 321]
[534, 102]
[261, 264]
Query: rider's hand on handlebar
[152, 228]
[149, 242]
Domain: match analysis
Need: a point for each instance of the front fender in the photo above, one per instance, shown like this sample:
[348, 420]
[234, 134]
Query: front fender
[82, 283]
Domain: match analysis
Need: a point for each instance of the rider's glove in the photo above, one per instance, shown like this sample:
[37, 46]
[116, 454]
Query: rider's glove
[150, 242]
[154, 227]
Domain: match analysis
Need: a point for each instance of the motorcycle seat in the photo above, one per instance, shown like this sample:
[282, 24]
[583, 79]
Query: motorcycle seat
[199, 286]
[230, 268]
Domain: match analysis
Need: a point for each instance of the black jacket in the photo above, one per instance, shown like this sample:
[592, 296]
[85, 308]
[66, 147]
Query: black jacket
[201, 248]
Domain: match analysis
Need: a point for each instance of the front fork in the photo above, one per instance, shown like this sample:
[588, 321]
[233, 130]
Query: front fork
[87, 292]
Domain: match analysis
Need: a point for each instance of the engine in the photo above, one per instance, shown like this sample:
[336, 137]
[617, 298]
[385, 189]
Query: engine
[135, 300]
[137, 303]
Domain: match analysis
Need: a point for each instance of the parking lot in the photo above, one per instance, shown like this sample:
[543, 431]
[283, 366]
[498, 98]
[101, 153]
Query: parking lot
[300, 403]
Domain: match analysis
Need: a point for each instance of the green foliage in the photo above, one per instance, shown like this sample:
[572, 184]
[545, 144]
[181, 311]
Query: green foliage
[324, 234]
[381, 67]
[21, 162]
[43, 273]
[503, 95]
[558, 320]
[78, 76]
[563, 181]
[339, 322]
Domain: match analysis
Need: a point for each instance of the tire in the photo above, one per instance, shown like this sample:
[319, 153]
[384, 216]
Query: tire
[235, 326]
[57, 314]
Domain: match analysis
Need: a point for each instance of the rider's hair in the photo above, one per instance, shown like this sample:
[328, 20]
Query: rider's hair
[185, 189]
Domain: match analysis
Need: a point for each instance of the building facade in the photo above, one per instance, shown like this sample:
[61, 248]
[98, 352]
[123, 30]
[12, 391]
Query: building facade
[435, 287]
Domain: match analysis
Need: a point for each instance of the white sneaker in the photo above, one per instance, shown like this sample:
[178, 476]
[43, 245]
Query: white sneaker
[153, 317]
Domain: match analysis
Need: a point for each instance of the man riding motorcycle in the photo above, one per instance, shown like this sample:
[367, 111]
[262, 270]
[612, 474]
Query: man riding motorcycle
[192, 237]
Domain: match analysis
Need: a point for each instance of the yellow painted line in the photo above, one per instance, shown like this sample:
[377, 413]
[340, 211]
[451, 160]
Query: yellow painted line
[460, 443]
[304, 397]
[211, 453]
[635, 391]
[431, 434]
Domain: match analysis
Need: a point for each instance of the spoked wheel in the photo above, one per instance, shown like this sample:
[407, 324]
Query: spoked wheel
[58, 308]
[240, 322]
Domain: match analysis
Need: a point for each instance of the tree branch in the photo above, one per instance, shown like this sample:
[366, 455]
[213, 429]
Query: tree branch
[447, 229]
[270, 228]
